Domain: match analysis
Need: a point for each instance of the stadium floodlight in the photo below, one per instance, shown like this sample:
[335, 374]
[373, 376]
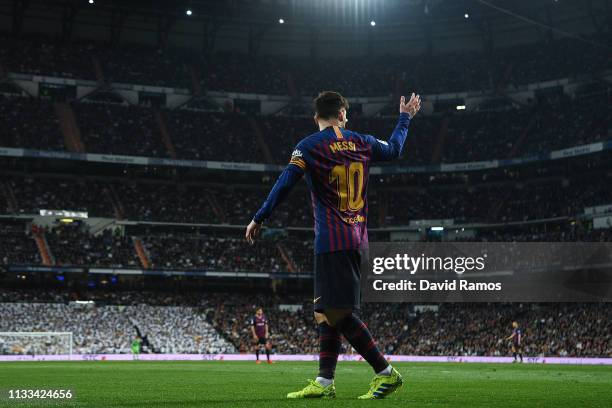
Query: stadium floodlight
[91, 2]
[466, 15]
[437, 228]
[460, 107]
[188, 12]
[373, 23]
[281, 21]
[36, 343]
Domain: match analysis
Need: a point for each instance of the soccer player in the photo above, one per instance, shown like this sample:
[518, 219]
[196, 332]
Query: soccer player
[517, 345]
[260, 332]
[136, 344]
[335, 162]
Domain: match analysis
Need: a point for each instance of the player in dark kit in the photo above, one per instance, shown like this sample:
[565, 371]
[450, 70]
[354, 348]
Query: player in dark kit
[336, 162]
[517, 342]
[260, 332]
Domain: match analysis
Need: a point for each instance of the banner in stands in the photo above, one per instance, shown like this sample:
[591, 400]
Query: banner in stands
[139, 160]
[159, 272]
[303, 357]
[44, 269]
[258, 167]
[200, 273]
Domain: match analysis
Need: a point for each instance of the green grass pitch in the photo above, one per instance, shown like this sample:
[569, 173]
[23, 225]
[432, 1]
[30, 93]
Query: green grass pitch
[244, 384]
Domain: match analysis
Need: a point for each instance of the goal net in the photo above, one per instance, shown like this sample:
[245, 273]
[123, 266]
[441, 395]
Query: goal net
[36, 343]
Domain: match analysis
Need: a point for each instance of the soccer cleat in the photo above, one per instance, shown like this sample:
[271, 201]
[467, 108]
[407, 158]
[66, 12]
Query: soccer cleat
[314, 390]
[270, 362]
[258, 362]
[383, 385]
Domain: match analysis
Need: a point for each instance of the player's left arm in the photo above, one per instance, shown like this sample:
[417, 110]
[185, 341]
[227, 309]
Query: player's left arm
[267, 331]
[283, 186]
[253, 329]
[392, 148]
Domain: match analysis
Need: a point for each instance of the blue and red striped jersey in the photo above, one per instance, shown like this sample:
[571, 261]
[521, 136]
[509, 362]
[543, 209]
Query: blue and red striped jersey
[517, 336]
[259, 324]
[336, 164]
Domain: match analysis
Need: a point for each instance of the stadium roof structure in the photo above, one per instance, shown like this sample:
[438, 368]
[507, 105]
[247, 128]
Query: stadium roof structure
[415, 25]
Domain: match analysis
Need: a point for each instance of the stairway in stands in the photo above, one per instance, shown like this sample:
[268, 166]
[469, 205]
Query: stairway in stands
[9, 195]
[520, 141]
[69, 127]
[287, 258]
[165, 134]
[261, 141]
[438, 151]
[43, 247]
[142, 253]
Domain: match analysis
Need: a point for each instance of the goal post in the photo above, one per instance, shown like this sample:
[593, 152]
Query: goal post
[36, 343]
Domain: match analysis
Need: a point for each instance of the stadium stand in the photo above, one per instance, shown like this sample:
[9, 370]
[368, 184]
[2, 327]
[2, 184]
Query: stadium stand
[234, 72]
[148, 200]
[532, 205]
[218, 322]
[110, 329]
[17, 246]
[551, 123]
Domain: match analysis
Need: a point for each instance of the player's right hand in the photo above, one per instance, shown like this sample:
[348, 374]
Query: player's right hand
[413, 105]
[252, 231]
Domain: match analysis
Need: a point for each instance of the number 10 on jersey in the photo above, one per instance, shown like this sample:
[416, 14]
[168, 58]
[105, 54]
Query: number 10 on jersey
[349, 185]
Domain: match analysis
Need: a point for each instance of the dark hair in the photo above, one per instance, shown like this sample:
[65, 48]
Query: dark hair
[328, 104]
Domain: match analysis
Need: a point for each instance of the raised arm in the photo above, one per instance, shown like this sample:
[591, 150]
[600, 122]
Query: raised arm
[392, 149]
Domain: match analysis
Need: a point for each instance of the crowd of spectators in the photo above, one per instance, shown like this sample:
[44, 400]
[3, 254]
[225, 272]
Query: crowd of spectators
[29, 122]
[33, 194]
[109, 329]
[226, 71]
[491, 202]
[183, 323]
[213, 136]
[74, 245]
[205, 252]
[117, 129]
[166, 202]
[17, 245]
[219, 251]
[548, 123]
[391, 204]
[464, 329]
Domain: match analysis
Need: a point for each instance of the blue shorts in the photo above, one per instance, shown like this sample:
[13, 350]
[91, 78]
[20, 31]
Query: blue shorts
[337, 279]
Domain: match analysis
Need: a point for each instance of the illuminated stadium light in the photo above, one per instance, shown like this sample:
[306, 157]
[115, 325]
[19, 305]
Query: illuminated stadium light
[373, 23]
[437, 228]
[188, 12]
[460, 107]
[281, 21]
[91, 2]
[466, 15]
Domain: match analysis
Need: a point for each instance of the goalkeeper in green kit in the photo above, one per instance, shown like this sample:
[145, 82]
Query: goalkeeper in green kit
[136, 344]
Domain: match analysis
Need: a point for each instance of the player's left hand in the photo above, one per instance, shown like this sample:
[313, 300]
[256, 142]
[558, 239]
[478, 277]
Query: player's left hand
[252, 232]
[412, 107]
